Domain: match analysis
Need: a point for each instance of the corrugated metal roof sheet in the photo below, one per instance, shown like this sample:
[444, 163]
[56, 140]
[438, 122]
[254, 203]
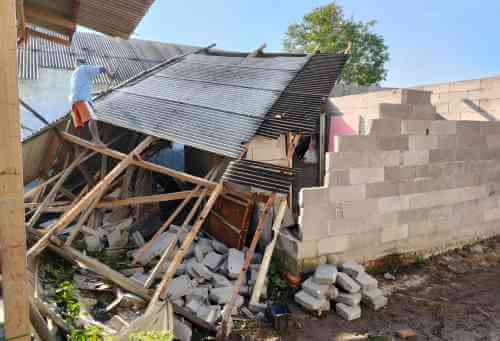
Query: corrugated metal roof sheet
[213, 103]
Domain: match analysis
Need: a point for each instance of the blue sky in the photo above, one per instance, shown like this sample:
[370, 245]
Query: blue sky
[429, 41]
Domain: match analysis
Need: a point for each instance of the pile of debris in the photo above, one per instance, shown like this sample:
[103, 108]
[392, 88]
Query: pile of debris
[348, 288]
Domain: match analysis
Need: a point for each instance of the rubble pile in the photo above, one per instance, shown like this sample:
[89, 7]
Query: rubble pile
[347, 289]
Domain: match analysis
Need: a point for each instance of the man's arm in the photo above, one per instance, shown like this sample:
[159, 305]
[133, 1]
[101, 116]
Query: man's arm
[94, 71]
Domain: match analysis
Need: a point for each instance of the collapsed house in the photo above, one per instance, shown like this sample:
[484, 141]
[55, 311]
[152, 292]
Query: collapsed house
[242, 120]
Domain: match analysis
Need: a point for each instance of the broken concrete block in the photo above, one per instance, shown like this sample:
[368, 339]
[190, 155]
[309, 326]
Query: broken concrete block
[352, 268]
[332, 292]
[223, 295]
[220, 281]
[347, 312]
[193, 305]
[138, 239]
[310, 302]
[219, 247]
[182, 330]
[93, 243]
[179, 302]
[200, 294]
[202, 271]
[325, 274]
[312, 288]
[179, 287]
[235, 262]
[213, 260]
[209, 313]
[349, 299]
[347, 283]
[374, 299]
[366, 281]
[198, 253]
[158, 247]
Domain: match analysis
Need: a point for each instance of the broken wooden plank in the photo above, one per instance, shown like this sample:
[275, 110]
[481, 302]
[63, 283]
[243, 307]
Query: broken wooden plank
[188, 240]
[71, 214]
[224, 331]
[55, 189]
[141, 163]
[158, 265]
[147, 199]
[39, 324]
[266, 259]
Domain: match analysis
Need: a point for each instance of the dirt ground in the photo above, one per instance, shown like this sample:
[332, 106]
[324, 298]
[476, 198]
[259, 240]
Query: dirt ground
[454, 296]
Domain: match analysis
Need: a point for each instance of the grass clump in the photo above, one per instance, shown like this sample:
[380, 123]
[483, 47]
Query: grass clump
[153, 336]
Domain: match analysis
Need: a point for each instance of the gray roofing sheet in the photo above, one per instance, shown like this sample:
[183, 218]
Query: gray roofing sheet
[213, 103]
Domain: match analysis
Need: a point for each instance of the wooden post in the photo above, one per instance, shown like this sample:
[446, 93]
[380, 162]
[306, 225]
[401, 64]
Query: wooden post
[71, 214]
[12, 231]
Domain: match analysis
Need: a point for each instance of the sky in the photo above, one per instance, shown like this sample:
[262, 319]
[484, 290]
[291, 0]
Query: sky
[429, 41]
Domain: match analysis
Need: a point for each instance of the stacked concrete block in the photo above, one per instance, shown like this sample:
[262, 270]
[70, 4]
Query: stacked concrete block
[410, 182]
[344, 289]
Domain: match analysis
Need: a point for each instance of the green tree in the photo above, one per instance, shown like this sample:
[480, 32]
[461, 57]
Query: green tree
[326, 28]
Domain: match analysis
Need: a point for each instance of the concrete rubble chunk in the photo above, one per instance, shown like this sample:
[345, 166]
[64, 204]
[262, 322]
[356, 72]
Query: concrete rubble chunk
[209, 313]
[200, 294]
[193, 305]
[366, 281]
[325, 274]
[198, 253]
[223, 295]
[182, 330]
[347, 283]
[179, 287]
[158, 247]
[180, 302]
[332, 292]
[374, 299]
[219, 247]
[213, 260]
[92, 243]
[202, 271]
[219, 281]
[310, 302]
[347, 312]
[352, 268]
[314, 289]
[349, 299]
[235, 262]
[138, 239]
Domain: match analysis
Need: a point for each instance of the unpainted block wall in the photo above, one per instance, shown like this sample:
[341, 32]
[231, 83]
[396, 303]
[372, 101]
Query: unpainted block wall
[407, 186]
[476, 99]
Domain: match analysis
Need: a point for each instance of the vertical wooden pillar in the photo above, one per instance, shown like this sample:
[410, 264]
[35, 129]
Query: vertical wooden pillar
[12, 230]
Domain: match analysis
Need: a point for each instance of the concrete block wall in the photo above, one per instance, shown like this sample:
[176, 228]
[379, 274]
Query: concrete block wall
[475, 99]
[406, 185]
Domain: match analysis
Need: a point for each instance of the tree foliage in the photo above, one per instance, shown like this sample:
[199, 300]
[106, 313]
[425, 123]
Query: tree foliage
[326, 28]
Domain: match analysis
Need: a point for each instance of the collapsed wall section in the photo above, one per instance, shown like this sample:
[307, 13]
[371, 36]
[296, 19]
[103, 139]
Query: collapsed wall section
[406, 186]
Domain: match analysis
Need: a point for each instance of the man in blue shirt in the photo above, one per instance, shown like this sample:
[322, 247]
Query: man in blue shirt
[82, 109]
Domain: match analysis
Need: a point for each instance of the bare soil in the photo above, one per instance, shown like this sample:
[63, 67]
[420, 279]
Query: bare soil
[454, 296]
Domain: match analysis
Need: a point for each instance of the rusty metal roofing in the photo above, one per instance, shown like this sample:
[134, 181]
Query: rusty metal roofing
[264, 176]
[213, 103]
[128, 57]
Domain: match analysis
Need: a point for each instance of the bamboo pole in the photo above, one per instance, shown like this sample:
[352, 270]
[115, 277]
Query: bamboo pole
[224, 330]
[71, 214]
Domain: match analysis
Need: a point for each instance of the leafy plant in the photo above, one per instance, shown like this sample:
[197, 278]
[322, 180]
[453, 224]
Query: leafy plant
[420, 261]
[279, 290]
[326, 28]
[90, 333]
[152, 336]
[67, 302]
